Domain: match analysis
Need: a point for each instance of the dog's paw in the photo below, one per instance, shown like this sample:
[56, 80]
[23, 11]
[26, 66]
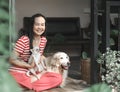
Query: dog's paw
[62, 85]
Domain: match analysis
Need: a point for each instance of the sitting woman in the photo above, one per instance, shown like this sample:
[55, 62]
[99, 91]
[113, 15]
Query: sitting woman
[35, 36]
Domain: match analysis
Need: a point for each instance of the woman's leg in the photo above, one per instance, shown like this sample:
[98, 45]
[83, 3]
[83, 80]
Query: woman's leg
[22, 79]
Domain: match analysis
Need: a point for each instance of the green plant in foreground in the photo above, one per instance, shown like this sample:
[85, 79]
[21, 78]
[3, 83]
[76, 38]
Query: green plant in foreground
[7, 83]
[101, 87]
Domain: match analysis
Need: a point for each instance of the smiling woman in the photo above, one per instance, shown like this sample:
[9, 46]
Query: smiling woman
[32, 36]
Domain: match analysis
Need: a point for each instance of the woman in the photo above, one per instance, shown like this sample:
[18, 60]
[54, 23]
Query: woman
[21, 53]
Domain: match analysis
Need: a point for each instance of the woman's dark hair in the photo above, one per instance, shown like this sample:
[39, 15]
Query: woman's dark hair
[28, 29]
[30, 35]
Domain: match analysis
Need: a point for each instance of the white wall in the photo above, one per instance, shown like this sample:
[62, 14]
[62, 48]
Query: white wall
[52, 8]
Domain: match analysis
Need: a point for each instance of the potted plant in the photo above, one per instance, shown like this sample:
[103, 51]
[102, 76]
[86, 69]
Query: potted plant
[85, 62]
[85, 67]
[110, 68]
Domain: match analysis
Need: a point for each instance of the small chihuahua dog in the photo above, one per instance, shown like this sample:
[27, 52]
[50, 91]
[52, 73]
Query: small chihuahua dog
[35, 58]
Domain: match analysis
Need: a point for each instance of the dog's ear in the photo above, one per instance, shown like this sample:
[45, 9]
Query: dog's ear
[55, 61]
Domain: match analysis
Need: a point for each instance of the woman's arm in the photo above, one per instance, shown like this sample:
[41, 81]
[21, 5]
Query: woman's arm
[15, 60]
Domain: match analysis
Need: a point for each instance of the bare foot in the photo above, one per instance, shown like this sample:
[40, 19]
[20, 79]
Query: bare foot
[40, 74]
[37, 77]
[33, 79]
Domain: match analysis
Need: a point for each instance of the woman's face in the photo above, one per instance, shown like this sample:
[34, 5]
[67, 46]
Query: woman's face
[39, 26]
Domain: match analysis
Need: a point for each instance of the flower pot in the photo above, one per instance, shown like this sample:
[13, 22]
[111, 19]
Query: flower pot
[85, 70]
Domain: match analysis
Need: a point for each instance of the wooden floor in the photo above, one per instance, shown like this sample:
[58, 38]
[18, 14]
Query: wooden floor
[73, 85]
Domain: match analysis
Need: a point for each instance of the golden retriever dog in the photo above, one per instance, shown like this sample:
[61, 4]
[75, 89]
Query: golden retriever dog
[59, 62]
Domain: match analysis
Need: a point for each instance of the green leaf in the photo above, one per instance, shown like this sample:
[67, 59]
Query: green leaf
[114, 32]
[101, 87]
[4, 3]
[84, 55]
[112, 42]
[99, 33]
[4, 30]
[4, 14]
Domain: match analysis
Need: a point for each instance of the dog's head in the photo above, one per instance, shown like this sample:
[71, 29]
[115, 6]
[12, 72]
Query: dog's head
[61, 59]
[35, 50]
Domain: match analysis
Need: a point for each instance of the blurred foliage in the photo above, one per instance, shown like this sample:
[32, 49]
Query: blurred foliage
[115, 32]
[101, 87]
[4, 27]
[59, 38]
[110, 68]
[7, 83]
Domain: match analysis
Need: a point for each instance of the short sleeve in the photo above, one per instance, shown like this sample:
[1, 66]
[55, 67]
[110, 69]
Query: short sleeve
[43, 44]
[20, 44]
